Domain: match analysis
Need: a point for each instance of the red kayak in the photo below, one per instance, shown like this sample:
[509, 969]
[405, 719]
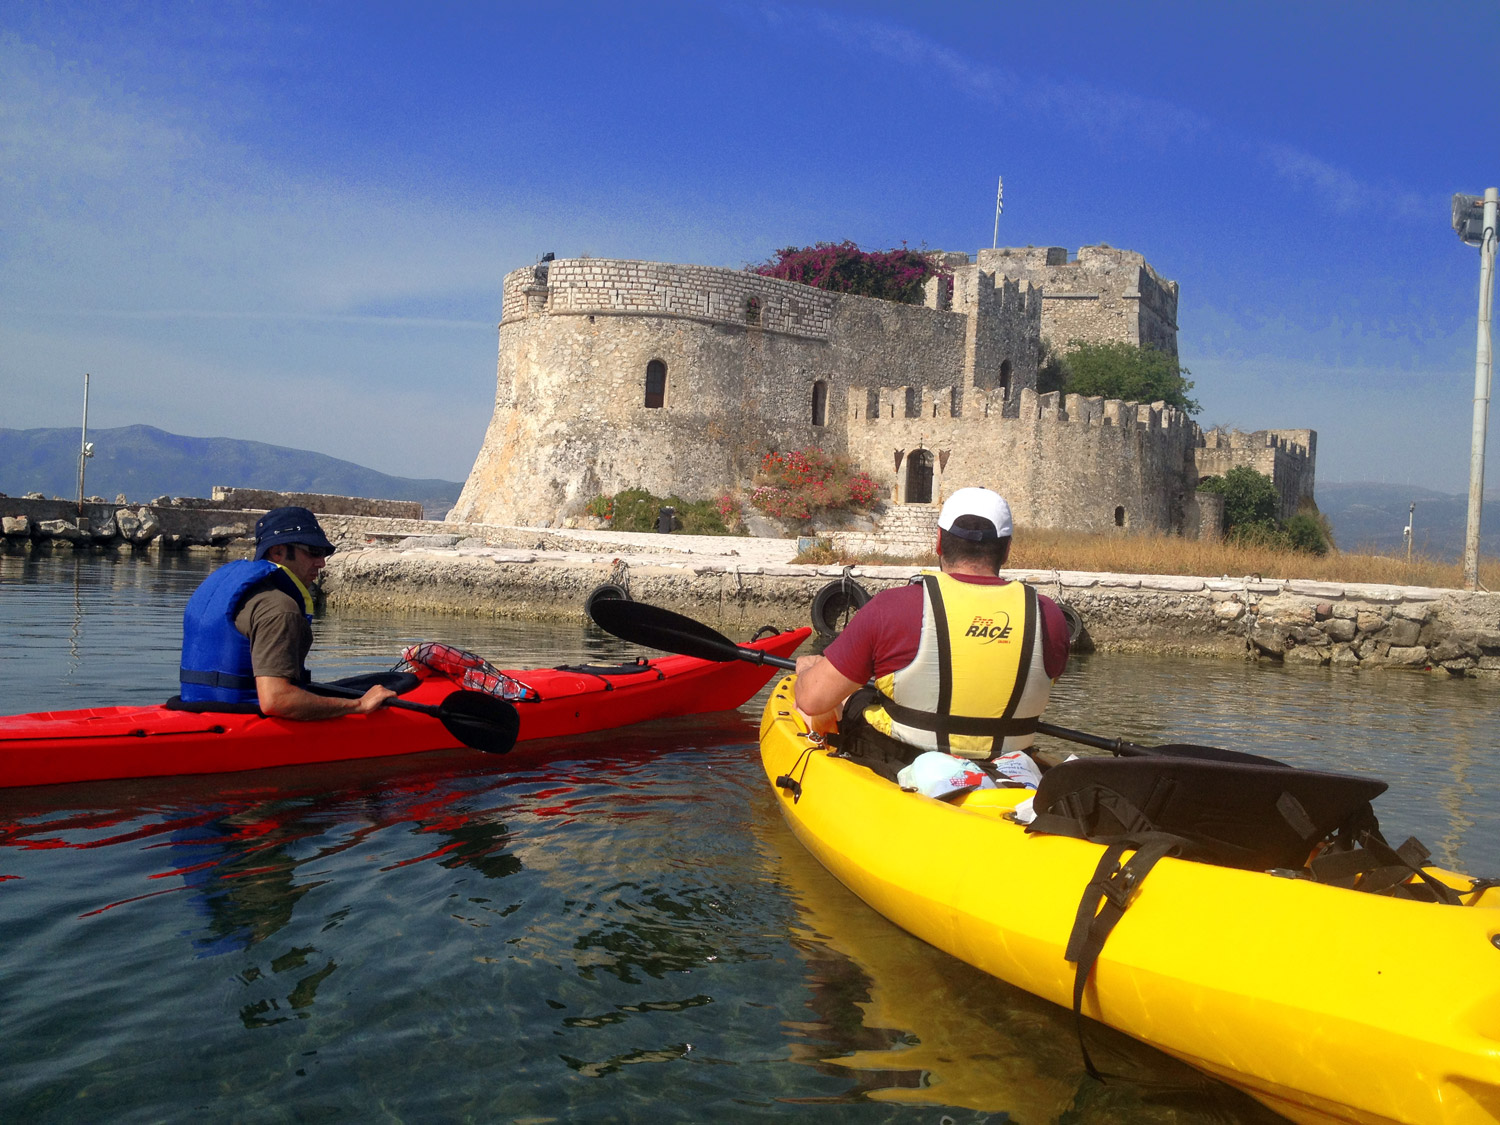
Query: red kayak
[103, 743]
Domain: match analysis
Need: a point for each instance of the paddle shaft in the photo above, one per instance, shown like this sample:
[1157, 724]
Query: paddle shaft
[1113, 745]
[356, 693]
[655, 627]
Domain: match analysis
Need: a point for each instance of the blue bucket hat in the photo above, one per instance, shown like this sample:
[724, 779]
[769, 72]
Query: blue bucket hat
[289, 525]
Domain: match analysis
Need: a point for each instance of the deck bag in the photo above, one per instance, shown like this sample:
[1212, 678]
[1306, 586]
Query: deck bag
[473, 672]
[1212, 806]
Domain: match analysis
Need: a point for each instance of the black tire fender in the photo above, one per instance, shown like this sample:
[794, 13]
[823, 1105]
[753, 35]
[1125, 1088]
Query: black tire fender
[1075, 622]
[606, 592]
[834, 604]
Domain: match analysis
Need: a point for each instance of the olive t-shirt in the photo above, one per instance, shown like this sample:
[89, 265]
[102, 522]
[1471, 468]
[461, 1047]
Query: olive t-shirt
[280, 636]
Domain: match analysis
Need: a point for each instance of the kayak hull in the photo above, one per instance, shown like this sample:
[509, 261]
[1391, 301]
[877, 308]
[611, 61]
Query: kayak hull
[1327, 1005]
[107, 743]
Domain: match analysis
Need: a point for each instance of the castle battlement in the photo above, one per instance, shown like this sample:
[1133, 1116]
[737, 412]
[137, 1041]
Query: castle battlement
[995, 295]
[618, 287]
[898, 405]
[1297, 442]
[1102, 295]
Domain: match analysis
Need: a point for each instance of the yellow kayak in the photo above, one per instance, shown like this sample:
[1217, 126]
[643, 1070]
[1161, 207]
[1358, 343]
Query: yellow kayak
[1324, 1004]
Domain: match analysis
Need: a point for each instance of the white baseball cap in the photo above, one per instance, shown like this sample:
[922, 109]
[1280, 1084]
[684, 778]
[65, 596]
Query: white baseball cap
[976, 502]
[935, 774]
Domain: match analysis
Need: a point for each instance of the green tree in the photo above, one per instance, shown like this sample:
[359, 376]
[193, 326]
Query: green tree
[1130, 372]
[1250, 499]
[1051, 369]
[1305, 532]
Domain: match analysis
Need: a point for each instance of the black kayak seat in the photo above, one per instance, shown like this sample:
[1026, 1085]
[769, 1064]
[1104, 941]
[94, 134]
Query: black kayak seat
[1254, 814]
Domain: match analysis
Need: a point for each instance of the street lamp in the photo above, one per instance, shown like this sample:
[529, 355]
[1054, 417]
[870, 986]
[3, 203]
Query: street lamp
[86, 447]
[1474, 222]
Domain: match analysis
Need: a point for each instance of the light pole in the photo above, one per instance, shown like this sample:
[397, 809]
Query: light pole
[1474, 221]
[86, 447]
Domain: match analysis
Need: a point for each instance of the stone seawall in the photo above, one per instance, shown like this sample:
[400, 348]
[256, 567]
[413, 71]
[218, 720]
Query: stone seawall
[1356, 626]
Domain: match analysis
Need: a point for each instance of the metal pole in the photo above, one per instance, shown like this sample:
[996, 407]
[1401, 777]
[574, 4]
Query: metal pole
[1411, 519]
[83, 444]
[999, 192]
[1481, 389]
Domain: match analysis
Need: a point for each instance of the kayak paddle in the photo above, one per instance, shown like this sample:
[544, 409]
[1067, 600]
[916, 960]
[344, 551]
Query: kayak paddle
[478, 720]
[655, 627]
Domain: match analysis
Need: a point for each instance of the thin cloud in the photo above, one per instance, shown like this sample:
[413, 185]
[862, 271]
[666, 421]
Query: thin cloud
[1103, 115]
[1342, 191]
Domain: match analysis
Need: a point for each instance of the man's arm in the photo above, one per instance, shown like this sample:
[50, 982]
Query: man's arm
[821, 690]
[282, 699]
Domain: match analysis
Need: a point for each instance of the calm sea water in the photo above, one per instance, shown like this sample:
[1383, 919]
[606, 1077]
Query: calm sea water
[612, 928]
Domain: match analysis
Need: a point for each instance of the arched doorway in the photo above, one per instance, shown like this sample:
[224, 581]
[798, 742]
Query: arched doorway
[918, 477]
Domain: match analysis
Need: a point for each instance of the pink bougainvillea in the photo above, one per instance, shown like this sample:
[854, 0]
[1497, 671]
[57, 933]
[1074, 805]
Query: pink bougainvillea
[842, 267]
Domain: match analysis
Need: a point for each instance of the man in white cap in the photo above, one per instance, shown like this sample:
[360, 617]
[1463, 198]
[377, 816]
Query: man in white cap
[962, 661]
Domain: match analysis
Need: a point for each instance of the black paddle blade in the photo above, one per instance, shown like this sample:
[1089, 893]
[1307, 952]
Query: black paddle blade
[655, 627]
[480, 721]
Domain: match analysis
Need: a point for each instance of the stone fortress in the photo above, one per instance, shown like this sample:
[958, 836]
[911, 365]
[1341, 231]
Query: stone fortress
[678, 378]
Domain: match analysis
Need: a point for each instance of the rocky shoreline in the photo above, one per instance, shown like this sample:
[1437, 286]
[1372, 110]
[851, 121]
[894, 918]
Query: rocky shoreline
[739, 585]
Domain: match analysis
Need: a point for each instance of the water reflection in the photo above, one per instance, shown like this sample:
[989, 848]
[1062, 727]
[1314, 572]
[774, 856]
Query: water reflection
[914, 1026]
[617, 927]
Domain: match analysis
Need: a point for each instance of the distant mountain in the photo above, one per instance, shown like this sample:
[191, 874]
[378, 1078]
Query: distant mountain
[144, 463]
[1373, 516]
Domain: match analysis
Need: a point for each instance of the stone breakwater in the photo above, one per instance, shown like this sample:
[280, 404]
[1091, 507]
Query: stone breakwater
[1355, 626]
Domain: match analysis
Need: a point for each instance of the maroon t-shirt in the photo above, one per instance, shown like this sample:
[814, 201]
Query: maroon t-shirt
[885, 634]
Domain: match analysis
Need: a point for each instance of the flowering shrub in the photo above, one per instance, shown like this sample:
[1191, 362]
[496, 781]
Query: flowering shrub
[636, 509]
[802, 482]
[842, 267]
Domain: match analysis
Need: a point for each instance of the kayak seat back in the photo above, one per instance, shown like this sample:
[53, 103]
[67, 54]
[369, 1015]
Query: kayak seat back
[634, 668]
[1254, 815]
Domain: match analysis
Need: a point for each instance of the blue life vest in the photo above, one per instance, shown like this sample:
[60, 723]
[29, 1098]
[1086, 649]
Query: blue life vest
[215, 655]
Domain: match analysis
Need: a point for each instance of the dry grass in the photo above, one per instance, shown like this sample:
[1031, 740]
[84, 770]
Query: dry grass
[1167, 554]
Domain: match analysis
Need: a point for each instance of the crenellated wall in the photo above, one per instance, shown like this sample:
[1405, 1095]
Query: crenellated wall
[1102, 296]
[1080, 463]
[1288, 457]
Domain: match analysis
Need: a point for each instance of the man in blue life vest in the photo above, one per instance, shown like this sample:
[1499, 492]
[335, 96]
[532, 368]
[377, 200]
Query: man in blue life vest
[962, 662]
[247, 629]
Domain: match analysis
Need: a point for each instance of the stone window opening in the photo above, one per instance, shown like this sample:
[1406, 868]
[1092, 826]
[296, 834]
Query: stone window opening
[918, 477]
[820, 402]
[1005, 370]
[1120, 515]
[913, 403]
[656, 384]
[752, 310]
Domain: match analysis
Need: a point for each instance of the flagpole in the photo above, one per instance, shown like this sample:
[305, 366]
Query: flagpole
[999, 193]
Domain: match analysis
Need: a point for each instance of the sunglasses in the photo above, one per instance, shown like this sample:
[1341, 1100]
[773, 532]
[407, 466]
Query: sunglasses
[315, 552]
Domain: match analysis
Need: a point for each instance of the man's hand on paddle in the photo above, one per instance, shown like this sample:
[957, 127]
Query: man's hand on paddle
[820, 691]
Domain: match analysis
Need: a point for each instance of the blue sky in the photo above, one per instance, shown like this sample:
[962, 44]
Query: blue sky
[289, 222]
